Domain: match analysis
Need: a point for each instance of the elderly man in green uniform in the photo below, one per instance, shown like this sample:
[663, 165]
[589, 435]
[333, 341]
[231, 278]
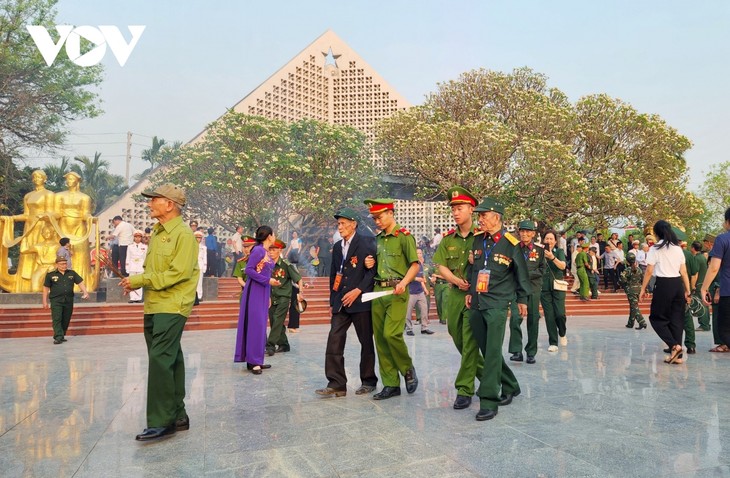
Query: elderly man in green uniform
[535, 257]
[286, 274]
[452, 259]
[397, 265]
[59, 287]
[630, 280]
[239, 270]
[169, 280]
[499, 277]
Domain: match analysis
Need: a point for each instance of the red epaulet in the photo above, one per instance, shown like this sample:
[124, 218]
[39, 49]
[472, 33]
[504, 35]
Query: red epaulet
[449, 232]
[404, 231]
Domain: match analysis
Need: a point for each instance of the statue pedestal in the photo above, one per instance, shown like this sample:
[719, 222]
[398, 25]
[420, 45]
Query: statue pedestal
[210, 288]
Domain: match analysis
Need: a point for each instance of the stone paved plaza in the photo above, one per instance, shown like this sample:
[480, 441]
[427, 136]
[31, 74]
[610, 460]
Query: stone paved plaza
[605, 405]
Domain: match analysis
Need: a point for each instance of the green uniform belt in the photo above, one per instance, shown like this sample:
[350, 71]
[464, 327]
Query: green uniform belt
[387, 283]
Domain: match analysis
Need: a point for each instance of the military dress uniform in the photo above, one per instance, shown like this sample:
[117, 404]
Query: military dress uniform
[536, 265]
[630, 280]
[453, 253]
[61, 296]
[286, 274]
[239, 269]
[507, 281]
[396, 251]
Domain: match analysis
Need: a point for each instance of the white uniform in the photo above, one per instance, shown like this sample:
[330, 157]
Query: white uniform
[202, 264]
[136, 252]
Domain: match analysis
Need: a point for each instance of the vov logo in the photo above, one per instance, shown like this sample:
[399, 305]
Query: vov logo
[102, 36]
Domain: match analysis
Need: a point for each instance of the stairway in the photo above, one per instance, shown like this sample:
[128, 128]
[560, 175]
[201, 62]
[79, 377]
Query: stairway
[222, 313]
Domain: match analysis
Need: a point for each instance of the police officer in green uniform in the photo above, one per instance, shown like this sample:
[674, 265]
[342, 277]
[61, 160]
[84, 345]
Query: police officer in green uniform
[499, 277]
[58, 286]
[239, 270]
[286, 274]
[452, 258]
[169, 280]
[397, 265]
[630, 280]
[535, 257]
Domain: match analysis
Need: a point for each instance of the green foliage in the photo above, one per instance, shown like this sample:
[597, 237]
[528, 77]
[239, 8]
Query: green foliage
[509, 135]
[715, 191]
[250, 170]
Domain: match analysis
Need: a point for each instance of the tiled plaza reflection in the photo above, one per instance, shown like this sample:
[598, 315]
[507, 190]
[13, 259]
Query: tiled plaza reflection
[605, 405]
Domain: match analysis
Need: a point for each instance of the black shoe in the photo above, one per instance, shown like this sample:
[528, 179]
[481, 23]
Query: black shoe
[667, 350]
[182, 424]
[691, 350]
[700, 329]
[530, 359]
[264, 366]
[507, 399]
[56, 342]
[517, 357]
[462, 402]
[442, 322]
[410, 332]
[641, 326]
[153, 433]
[629, 326]
[283, 348]
[257, 371]
[387, 392]
[365, 389]
[328, 392]
[411, 380]
[270, 351]
[427, 332]
[486, 414]
[64, 340]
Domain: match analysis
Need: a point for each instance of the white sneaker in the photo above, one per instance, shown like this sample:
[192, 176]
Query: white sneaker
[553, 348]
[563, 341]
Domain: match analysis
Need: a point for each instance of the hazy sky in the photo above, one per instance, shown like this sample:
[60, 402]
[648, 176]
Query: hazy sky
[197, 58]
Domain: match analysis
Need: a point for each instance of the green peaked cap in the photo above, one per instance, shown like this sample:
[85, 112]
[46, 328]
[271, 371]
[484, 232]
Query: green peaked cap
[489, 204]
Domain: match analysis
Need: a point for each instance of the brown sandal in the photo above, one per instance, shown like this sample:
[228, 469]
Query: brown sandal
[720, 349]
[676, 353]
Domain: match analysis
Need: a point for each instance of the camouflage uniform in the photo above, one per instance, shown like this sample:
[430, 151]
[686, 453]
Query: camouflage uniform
[631, 279]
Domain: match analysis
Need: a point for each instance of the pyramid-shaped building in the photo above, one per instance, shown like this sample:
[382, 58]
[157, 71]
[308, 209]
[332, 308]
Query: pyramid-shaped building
[326, 81]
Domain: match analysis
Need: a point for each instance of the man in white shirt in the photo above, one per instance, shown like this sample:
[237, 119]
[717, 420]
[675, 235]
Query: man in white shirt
[437, 236]
[124, 233]
[236, 244]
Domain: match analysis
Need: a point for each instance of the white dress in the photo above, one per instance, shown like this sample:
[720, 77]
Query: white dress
[136, 253]
[202, 264]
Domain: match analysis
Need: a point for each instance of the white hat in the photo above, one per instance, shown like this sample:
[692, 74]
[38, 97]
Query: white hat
[198, 233]
[137, 232]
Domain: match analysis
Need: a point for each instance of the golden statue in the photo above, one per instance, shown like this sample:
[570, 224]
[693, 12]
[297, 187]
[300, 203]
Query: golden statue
[38, 211]
[75, 222]
[48, 217]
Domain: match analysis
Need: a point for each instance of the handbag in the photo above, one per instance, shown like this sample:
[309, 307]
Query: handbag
[558, 284]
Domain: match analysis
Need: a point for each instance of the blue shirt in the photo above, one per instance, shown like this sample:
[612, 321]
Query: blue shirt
[721, 250]
[415, 287]
[211, 242]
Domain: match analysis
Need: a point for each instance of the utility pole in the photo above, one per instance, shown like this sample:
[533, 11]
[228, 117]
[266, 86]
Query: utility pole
[129, 154]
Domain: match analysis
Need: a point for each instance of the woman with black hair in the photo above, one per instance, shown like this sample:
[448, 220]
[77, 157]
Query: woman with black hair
[251, 335]
[666, 261]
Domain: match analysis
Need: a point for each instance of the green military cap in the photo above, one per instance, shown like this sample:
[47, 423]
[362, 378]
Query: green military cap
[376, 206]
[489, 204]
[459, 195]
[630, 257]
[527, 225]
[679, 233]
[347, 213]
[709, 238]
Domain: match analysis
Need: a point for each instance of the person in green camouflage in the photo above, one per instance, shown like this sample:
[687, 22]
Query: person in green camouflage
[630, 280]
[452, 258]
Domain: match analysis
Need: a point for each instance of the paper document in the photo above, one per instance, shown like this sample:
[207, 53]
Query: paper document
[368, 296]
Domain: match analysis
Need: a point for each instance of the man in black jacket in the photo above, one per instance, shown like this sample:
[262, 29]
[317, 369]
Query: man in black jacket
[349, 279]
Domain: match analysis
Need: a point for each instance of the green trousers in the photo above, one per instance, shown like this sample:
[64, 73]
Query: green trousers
[61, 310]
[553, 306]
[457, 320]
[277, 317]
[166, 375]
[593, 284]
[689, 328]
[496, 378]
[389, 320]
[584, 284]
[632, 294]
[440, 292]
[704, 318]
[533, 322]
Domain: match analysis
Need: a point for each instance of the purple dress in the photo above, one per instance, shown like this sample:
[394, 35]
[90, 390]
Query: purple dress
[254, 313]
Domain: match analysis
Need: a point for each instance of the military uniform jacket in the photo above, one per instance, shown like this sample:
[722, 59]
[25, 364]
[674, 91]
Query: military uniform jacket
[354, 273]
[691, 264]
[61, 285]
[239, 269]
[508, 278]
[396, 253]
[453, 253]
[536, 265]
[286, 274]
[631, 279]
[701, 270]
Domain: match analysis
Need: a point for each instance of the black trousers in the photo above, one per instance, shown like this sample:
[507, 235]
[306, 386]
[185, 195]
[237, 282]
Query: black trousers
[723, 319]
[609, 275]
[293, 311]
[334, 364]
[212, 268]
[667, 310]
[123, 260]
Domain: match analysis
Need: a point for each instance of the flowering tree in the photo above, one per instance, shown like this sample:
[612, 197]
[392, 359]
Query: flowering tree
[251, 170]
[509, 135]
